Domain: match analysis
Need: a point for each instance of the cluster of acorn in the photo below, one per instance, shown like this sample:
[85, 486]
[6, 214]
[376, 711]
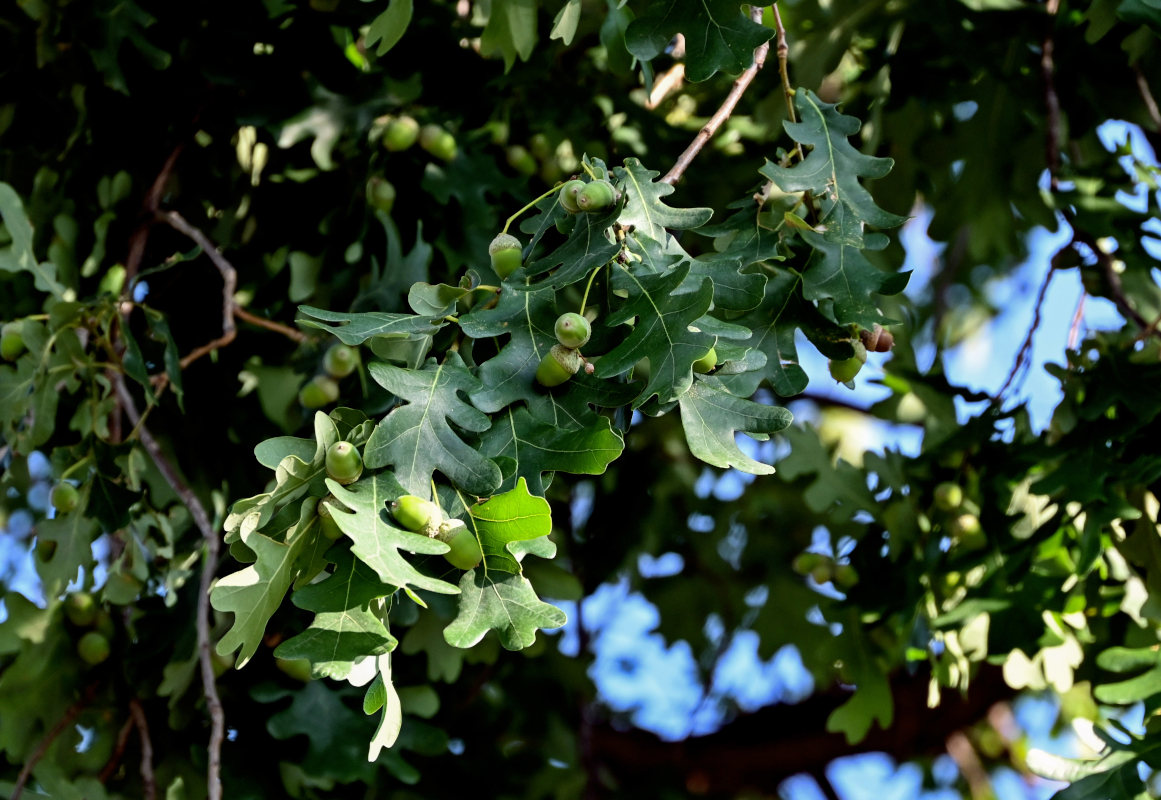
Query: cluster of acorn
[398, 134]
[82, 611]
[344, 465]
[575, 196]
[323, 389]
[875, 340]
[961, 523]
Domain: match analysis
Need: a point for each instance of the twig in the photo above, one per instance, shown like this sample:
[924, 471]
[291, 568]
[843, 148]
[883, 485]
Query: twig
[1024, 355]
[1147, 96]
[824, 784]
[202, 521]
[151, 205]
[118, 751]
[69, 716]
[1113, 279]
[1077, 318]
[783, 51]
[229, 284]
[270, 325]
[723, 113]
[1051, 100]
[148, 784]
[959, 747]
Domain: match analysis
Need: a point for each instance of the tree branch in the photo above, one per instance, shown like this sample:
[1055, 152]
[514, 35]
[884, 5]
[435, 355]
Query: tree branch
[783, 51]
[270, 325]
[149, 785]
[229, 284]
[760, 750]
[723, 113]
[1147, 96]
[202, 521]
[69, 716]
[1023, 357]
[1051, 100]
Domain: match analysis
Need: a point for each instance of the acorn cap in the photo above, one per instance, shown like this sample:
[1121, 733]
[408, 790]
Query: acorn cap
[504, 241]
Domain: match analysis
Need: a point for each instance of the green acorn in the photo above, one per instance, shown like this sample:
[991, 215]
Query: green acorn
[65, 497]
[400, 133]
[465, 550]
[706, 362]
[340, 361]
[505, 254]
[319, 391]
[11, 341]
[568, 195]
[596, 196]
[572, 330]
[845, 370]
[437, 141]
[416, 514]
[558, 365]
[93, 648]
[344, 464]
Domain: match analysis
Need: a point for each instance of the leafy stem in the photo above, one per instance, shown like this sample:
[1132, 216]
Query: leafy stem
[527, 206]
[588, 286]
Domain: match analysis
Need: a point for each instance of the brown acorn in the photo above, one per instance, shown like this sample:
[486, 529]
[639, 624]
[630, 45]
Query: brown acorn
[877, 340]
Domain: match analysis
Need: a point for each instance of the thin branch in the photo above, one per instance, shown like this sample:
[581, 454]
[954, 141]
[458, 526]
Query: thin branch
[270, 325]
[1051, 100]
[1077, 318]
[783, 51]
[151, 205]
[202, 521]
[1112, 277]
[118, 751]
[723, 113]
[149, 785]
[1147, 96]
[229, 284]
[959, 747]
[1023, 357]
[824, 784]
[69, 717]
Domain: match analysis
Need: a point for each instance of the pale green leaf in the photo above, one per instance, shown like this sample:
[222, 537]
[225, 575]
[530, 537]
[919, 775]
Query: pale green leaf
[374, 537]
[503, 602]
[712, 416]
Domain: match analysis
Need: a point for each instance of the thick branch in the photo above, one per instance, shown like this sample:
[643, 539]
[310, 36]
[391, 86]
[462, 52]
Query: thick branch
[202, 521]
[760, 750]
[722, 114]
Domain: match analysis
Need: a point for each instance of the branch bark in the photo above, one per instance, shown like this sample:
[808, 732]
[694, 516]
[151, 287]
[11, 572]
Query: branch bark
[723, 113]
[209, 566]
[758, 751]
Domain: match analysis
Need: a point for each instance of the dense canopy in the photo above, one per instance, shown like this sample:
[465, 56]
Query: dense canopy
[566, 398]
